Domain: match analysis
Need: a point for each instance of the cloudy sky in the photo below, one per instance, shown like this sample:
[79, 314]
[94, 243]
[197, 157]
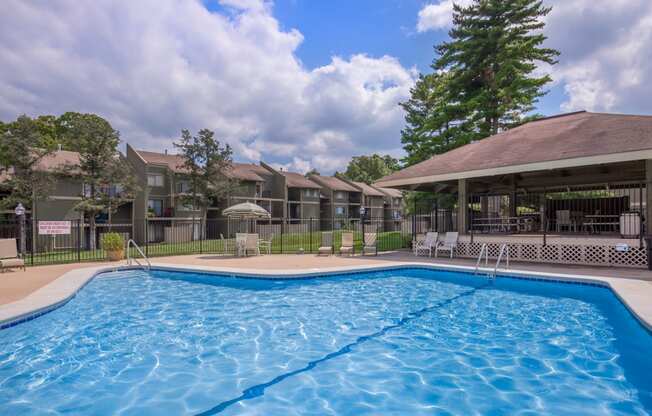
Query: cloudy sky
[299, 83]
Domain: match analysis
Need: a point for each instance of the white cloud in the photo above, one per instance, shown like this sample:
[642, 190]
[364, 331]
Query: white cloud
[605, 62]
[438, 15]
[153, 67]
[606, 59]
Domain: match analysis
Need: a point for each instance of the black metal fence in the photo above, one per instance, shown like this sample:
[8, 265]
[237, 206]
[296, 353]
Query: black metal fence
[71, 241]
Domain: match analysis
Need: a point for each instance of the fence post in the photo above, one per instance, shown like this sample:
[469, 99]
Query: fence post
[310, 234]
[414, 219]
[640, 215]
[79, 234]
[201, 234]
[33, 238]
[282, 226]
[146, 221]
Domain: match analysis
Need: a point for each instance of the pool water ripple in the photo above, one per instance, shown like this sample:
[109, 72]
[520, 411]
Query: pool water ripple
[395, 342]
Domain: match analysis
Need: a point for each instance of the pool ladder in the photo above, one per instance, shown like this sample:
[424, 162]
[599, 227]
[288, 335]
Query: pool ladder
[132, 260]
[504, 253]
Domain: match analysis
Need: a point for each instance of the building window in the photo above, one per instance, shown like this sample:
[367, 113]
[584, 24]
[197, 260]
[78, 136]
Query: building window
[259, 190]
[339, 210]
[155, 179]
[183, 187]
[339, 195]
[155, 207]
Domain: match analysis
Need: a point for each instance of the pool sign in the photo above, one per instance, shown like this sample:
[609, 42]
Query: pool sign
[53, 227]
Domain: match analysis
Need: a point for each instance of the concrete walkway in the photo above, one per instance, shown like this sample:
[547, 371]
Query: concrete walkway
[15, 285]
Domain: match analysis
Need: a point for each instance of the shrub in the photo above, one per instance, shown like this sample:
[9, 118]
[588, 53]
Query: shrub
[113, 242]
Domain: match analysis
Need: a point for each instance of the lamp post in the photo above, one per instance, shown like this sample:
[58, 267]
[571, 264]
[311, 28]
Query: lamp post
[20, 213]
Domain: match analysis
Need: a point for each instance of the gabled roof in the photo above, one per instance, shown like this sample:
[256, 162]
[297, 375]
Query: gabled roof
[390, 192]
[58, 160]
[172, 161]
[331, 182]
[576, 139]
[297, 180]
[248, 172]
[368, 189]
[240, 171]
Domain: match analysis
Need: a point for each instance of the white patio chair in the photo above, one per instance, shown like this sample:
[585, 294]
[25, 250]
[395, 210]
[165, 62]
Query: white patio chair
[266, 244]
[427, 245]
[225, 244]
[449, 244]
[251, 244]
[240, 244]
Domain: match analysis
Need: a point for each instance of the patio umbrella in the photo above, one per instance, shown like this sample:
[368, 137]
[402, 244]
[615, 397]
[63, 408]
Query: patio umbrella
[246, 210]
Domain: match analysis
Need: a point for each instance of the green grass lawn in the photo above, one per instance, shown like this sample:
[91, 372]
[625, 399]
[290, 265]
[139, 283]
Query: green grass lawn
[287, 243]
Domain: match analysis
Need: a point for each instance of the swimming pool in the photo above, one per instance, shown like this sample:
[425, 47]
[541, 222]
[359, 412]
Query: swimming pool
[402, 341]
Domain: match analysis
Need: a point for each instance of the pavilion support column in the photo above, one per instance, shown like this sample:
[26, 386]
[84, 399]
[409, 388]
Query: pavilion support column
[648, 196]
[512, 198]
[462, 206]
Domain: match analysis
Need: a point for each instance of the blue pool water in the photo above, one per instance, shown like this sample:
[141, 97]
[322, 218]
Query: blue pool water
[399, 342]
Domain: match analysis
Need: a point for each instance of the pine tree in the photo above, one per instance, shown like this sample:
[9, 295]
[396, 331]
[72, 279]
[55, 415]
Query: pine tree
[484, 80]
[206, 165]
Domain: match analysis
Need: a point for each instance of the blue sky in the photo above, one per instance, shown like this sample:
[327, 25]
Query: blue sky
[375, 28]
[300, 84]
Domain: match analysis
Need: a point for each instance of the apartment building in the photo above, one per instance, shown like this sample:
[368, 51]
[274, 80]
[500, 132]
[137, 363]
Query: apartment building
[393, 208]
[372, 200]
[60, 205]
[338, 201]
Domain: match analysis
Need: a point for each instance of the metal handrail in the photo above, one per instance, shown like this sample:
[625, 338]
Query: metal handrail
[504, 249]
[484, 250]
[130, 259]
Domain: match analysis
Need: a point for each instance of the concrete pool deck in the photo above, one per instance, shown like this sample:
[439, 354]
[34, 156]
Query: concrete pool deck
[41, 289]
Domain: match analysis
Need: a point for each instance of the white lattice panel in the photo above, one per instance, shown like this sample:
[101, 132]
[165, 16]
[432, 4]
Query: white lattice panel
[588, 254]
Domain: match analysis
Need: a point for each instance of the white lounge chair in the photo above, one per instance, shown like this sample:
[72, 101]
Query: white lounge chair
[347, 243]
[449, 244]
[370, 244]
[426, 245]
[326, 244]
[9, 255]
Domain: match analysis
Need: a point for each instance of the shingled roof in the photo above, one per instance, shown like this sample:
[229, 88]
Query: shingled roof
[367, 189]
[390, 192]
[577, 139]
[331, 182]
[248, 172]
[297, 180]
[172, 161]
[58, 160]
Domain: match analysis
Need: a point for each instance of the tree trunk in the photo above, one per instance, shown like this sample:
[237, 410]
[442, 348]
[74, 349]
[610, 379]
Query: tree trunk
[92, 240]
